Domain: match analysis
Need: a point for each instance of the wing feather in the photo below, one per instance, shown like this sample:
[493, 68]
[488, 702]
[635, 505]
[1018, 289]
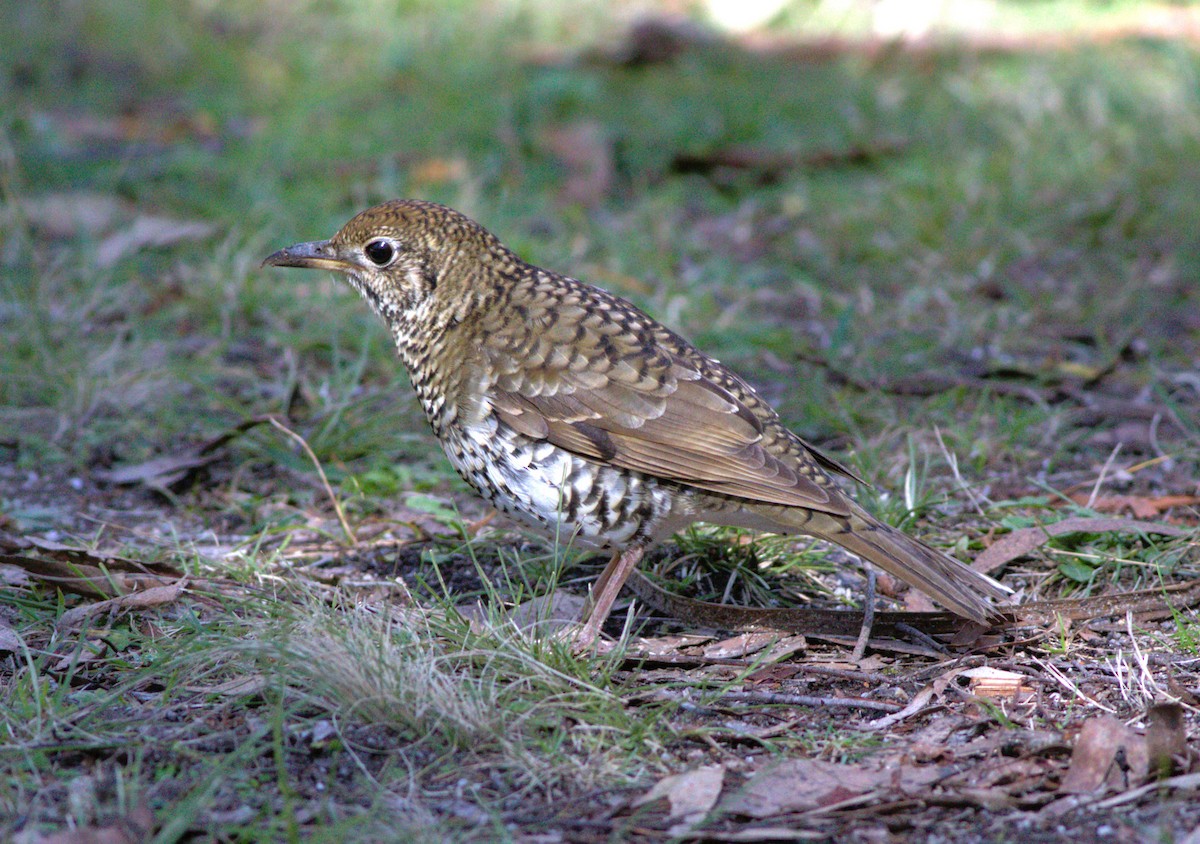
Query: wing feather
[590, 373]
[684, 428]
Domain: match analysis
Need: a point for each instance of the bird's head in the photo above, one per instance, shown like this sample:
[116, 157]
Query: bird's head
[401, 254]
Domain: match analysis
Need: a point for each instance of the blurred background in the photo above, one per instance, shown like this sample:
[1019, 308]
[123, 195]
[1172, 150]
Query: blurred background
[890, 215]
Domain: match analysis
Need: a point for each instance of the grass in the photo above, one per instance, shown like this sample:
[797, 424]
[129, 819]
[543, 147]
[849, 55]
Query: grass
[1019, 228]
[313, 678]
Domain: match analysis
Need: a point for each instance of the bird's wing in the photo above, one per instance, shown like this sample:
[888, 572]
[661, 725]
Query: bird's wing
[611, 392]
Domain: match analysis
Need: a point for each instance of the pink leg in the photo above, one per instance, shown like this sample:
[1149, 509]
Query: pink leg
[604, 594]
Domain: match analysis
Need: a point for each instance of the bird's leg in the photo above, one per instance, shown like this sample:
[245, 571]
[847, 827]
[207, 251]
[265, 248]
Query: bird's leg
[864, 633]
[604, 594]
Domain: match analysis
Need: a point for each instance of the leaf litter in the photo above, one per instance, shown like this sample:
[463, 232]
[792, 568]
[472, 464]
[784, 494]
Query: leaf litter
[962, 731]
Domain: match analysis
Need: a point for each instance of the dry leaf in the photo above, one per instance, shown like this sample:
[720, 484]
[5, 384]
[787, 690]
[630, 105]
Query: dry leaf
[167, 470]
[784, 648]
[771, 675]
[1107, 755]
[800, 785]
[1166, 738]
[80, 571]
[10, 642]
[544, 615]
[149, 232]
[155, 596]
[663, 645]
[548, 614]
[251, 684]
[741, 645]
[1140, 506]
[919, 701]
[160, 472]
[10, 575]
[1021, 542]
[691, 794]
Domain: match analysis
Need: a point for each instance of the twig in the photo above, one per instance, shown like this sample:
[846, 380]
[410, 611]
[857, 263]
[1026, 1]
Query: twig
[807, 700]
[337, 508]
[921, 637]
[1183, 781]
[919, 701]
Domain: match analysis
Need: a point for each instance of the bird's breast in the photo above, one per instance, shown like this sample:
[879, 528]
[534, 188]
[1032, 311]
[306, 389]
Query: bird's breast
[566, 495]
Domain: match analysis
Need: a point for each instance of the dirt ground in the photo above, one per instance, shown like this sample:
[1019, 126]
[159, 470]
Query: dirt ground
[1084, 732]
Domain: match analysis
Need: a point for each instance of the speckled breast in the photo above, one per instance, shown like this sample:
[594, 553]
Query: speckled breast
[549, 488]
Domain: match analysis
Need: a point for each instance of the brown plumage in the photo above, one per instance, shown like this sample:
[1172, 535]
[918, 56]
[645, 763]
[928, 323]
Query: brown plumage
[570, 408]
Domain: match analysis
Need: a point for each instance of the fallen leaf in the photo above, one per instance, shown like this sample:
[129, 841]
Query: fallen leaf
[771, 675]
[800, 785]
[919, 701]
[660, 645]
[10, 642]
[784, 648]
[251, 684]
[541, 616]
[548, 614]
[146, 128]
[167, 470]
[81, 571]
[163, 471]
[437, 171]
[149, 232]
[691, 795]
[741, 645]
[1140, 506]
[1021, 542]
[1107, 755]
[1166, 738]
[1008, 775]
[10, 575]
[154, 596]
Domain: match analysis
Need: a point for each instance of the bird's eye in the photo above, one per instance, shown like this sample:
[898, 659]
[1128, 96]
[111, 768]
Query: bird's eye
[380, 252]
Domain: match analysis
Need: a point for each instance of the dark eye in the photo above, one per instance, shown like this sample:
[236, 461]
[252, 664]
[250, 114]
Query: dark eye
[380, 252]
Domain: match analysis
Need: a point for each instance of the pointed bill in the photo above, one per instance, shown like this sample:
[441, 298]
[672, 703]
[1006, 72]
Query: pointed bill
[317, 255]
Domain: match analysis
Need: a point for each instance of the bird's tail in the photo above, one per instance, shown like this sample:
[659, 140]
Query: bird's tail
[954, 585]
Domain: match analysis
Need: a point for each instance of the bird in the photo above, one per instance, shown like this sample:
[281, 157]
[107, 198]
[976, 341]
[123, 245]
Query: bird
[569, 408]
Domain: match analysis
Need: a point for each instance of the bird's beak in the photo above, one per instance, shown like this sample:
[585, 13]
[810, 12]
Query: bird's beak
[317, 255]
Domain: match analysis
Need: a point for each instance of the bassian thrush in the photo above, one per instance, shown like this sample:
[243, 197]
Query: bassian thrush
[568, 407]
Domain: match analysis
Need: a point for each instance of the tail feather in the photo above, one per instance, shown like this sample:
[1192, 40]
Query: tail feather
[954, 585]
